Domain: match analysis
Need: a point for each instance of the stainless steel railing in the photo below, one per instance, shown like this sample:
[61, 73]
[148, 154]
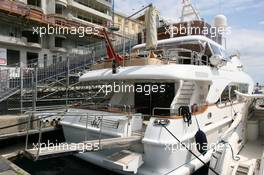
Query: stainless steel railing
[101, 123]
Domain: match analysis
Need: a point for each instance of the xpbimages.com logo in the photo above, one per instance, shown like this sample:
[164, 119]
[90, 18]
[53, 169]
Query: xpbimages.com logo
[80, 147]
[146, 89]
[174, 31]
[60, 30]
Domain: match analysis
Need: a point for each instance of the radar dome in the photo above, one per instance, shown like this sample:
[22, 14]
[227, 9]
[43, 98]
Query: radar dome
[220, 21]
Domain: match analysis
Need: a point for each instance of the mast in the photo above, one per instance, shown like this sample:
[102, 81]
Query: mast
[189, 13]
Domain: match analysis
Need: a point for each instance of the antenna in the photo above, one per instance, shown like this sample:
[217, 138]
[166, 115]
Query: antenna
[189, 12]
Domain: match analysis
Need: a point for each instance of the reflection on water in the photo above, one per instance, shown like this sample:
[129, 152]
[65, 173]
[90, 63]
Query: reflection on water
[61, 166]
[69, 165]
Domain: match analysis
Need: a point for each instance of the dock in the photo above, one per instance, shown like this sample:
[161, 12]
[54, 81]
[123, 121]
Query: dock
[65, 149]
[24, 133]
[8, 168]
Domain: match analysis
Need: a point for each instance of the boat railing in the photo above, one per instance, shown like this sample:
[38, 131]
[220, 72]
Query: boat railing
[108, 107]
[186, 56]
[194, 109]
[175, 56]
[172, 110]
[98, 121]
[123, 108]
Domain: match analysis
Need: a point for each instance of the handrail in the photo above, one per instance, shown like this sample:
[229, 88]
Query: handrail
[39, 139]
[160, 108]
[192, 57]
[101, 118]
[36, 14]
[100, 134]
[67, 113]
[202, 108]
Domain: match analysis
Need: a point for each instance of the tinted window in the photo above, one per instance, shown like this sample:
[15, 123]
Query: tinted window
[243, 88]
[233, 95]
[225, 95]
[216, 50]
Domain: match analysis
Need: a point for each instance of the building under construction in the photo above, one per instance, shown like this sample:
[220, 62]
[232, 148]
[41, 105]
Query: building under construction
[44, 70]
[19, 17]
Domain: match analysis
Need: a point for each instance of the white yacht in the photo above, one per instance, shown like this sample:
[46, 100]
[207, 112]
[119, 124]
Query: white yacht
[184, 94]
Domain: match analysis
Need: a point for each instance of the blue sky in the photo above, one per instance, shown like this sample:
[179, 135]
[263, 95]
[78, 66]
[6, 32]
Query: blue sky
[245, 17]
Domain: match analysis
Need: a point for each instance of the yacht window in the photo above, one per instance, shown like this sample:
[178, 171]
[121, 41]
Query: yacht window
[229, 92]
[225, 95]
[243, 88]
[216, 50]
[233, 95]
[206, 55]
[145, 103]
[224, 53]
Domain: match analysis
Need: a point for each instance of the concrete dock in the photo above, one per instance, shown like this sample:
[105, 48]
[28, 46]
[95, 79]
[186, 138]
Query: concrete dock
[8, 168]
[14, 127]
[7, 120]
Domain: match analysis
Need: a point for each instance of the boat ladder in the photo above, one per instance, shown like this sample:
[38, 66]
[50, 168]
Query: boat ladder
[247, 168]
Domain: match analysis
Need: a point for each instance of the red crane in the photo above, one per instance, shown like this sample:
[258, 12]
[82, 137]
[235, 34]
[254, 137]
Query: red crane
[112, 55]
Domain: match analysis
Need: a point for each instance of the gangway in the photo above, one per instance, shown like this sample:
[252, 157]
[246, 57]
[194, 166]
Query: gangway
[42, 150]
[63, 149]
[7, 94]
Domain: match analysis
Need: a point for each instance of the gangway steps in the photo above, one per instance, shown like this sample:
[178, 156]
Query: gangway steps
[245, 168]
[64, 149]
[5, 96]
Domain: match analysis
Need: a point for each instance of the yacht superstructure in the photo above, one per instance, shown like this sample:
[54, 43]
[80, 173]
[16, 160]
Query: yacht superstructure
[185, 85]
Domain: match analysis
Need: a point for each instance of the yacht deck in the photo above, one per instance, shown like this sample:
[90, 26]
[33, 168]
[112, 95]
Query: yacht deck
[253, 149]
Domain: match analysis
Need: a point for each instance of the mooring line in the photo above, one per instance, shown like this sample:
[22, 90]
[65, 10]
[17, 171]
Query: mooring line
[189, 150]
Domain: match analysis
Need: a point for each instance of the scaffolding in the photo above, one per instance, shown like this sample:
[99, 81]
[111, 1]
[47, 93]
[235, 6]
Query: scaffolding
[34, 85]
[36, 14]
[53, 86]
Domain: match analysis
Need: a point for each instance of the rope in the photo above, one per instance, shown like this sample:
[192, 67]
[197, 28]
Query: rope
[189, 149]
[197, 122]
[236, 158]
[187, 116]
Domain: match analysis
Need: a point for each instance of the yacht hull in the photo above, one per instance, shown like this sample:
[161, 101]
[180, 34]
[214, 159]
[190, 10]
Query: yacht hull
[160, 155]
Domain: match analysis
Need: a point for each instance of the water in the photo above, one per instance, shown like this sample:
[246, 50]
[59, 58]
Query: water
[61, 166]
[68, 165]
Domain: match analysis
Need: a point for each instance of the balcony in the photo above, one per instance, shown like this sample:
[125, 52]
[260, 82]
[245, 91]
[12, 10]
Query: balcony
[15, 8]
[105, 2]
[58, 44]
[89, 10]
[62, 2]
[80, 51]
[35, 3]
[58, 49]
[18, 41]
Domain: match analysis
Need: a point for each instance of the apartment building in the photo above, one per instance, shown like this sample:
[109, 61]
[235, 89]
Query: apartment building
[129, 29]
[131, 25]
[20, 18]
